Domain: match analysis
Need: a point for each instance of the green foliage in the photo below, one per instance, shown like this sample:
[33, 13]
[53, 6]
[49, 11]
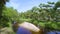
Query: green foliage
[8, 15]
[45, 15]
[2, 6]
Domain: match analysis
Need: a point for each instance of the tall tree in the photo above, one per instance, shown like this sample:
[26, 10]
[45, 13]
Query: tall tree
[2, 4]
[9, 14]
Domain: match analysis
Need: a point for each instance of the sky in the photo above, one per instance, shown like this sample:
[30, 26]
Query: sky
[24, 5]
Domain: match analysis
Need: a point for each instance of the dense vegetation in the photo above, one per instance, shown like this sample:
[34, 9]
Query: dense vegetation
[2, 6]
[45, 15]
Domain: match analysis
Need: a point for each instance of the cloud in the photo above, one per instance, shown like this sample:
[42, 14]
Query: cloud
[13, 3]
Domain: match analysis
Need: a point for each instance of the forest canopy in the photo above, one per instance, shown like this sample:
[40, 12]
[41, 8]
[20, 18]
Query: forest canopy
[45, 15]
